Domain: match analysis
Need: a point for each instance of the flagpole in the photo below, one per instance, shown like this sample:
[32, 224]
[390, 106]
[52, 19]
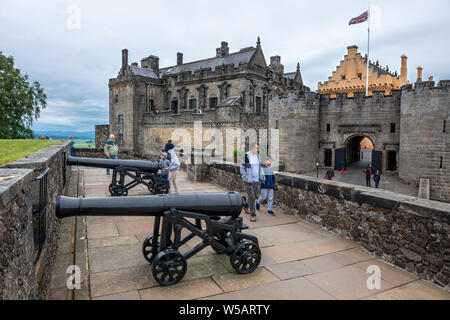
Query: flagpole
[368, 48]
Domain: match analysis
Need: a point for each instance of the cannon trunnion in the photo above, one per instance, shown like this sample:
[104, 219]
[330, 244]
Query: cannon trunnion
[140, 172]
[213, 217]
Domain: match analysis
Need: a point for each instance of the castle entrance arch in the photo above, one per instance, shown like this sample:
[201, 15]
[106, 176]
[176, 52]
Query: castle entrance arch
[359, 151]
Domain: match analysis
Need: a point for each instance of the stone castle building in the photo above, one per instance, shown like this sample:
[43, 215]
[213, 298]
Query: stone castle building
[350, 76]
[228, 90]
[405, 125]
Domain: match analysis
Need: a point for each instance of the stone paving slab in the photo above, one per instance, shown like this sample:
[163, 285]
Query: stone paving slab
[294, 289]
[234, 282]
[185, 290]
[416, 290]
[130, 295]
[348, 283]
[112, 241]
[115, 257]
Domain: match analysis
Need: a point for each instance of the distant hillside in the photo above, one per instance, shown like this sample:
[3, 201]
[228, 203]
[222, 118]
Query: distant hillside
[64, 135]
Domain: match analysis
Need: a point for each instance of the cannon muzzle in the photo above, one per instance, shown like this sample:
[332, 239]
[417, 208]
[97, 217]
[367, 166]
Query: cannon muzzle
[211, 204]
[147, 166]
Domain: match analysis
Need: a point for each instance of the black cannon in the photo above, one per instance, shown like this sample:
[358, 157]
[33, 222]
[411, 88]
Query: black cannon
[213, 217]
[145, 172]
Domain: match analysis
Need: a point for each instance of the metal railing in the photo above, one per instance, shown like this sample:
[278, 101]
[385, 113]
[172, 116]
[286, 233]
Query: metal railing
[40, 215]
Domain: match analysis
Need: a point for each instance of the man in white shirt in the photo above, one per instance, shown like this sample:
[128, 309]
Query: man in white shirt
[252, 174]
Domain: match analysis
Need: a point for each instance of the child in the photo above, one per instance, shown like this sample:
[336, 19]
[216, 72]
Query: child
[267, 187]
[164, 164]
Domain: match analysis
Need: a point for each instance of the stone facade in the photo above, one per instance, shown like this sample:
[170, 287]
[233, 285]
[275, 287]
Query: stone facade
[230, 90]
[101, 135]
[54, 158]
[406, 231]
[350, 76]
[17, 277]
[407, 123]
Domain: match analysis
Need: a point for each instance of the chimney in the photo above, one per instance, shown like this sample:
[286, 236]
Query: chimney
[152, 63]
[179, 58]
[419, 73]
[404, 68]
[223, 50]
[352, 51]
[275, 64]
[124, 58]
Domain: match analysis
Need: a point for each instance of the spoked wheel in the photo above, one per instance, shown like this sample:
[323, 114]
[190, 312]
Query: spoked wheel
[118, 190]
[245, 257]
[169, 267]
[223, 238]
[147, 248]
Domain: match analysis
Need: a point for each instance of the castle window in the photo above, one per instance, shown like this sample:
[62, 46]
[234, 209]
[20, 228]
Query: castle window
[443, 128]
[142, 98]
[120, 138]
[392, 127]
[328, 127]
[343, 77]
[120, 119]
[151, 105]
[442, 158]
[359, 76]
[213, 102]
[276, 124]
[192, 103]
[258, 105]
[116, 98]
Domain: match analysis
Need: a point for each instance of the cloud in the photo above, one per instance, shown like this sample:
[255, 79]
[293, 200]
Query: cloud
[74, 65]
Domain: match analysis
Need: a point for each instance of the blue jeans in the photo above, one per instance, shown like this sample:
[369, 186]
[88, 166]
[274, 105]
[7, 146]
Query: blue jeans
[266, 193]
[368, 181]
[111, 157]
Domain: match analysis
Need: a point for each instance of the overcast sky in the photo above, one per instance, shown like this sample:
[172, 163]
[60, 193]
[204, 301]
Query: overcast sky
[74, 64]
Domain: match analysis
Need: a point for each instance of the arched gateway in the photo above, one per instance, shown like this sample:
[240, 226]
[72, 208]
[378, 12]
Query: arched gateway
[359, 150]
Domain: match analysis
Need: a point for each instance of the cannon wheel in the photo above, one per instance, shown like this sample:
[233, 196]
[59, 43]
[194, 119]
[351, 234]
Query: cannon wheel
[222, 238]
[118, 190]
[147, 248]
[246, 257]
[169, 267]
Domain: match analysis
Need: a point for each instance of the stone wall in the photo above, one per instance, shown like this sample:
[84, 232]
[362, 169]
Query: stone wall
[93, 153]
[423, 142]
[406, 231]
[101, 135]
[54, 158]
[17, 277]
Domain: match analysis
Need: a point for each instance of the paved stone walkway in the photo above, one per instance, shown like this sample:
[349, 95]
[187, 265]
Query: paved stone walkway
[300, 261]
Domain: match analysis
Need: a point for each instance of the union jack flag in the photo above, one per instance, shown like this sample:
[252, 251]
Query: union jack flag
[362, 18]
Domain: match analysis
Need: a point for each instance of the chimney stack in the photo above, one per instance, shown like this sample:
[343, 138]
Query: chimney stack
[179, 58]
[351, 51]
[223, 50]
[404, 68]
[419, 73]
[124, 58]
[152, 63]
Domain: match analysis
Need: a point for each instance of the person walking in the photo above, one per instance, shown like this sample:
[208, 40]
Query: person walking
[377, 178]
[252, 174]
[173, 169]
[329, 175]
[267, 187]
[111, 149]
[368, 176]
[342, 167]
[72, 147]
[169, 145]
[164, 164]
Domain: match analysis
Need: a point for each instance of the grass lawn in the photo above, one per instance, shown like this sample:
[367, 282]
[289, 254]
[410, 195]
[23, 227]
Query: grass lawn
[13, 149]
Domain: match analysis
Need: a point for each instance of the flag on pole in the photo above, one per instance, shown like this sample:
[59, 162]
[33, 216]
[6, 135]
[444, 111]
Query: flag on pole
[362, 18]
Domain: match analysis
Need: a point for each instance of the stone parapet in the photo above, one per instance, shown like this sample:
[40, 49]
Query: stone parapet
[406, 231]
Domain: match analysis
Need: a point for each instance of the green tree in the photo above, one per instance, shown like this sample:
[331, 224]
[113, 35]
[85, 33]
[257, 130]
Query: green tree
[20, 102]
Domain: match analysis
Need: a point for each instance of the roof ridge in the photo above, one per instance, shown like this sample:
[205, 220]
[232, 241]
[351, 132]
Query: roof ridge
[206, 59]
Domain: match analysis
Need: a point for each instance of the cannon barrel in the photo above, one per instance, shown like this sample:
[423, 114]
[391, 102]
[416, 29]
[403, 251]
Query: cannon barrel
[148, 166]
[212, 204]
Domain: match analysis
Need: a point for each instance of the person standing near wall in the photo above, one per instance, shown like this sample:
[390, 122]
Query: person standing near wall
[267, 187]
[111, 149]
[342, 167]
[169, 145]
[368, 176]
[72, 147]
[330, 174]
[252, 174]
[173, 169]
[377, 178]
